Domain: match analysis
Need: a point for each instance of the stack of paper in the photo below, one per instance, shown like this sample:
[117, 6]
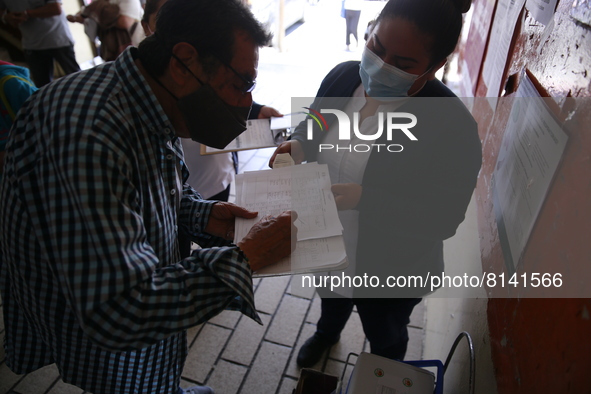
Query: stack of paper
[258, 134]
[305, 189]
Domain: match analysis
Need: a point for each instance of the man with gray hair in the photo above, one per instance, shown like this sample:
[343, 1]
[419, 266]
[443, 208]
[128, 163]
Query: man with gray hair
[93, 198]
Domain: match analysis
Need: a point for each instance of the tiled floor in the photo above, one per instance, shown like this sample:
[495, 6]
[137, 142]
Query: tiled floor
[232, 353]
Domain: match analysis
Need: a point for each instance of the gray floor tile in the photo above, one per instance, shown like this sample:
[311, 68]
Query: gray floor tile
[293, 370]
[296, 289]
[227, 377]
[288, 319]
[352, 339]
[257, 163]
[204, 352]
[8, 379]
[287, 385]
[192, 334]
[39, 381]
[227, 319]
[255, 160]
[267, 369]
[314, 312]
[64, 388]
[185, 384]
[244, 157]
[265, 153]
[245, 340]
[269, 293]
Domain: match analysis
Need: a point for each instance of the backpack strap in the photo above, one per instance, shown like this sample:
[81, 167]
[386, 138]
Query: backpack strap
[3, 97]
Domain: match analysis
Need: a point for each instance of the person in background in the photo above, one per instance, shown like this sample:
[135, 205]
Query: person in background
[93, 196]
[116, 23]
[352, 13]
[151, 9]
[396, 207]
[210, 175]
[130, 16]
[45, 36]
[15, 87]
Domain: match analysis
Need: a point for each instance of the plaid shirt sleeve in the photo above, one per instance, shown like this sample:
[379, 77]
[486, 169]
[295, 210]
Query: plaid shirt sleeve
[194, 212]
[102, 206]
[90, 273]
[95, 230]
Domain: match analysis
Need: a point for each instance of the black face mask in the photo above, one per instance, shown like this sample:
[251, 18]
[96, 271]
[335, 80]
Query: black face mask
[209, 119]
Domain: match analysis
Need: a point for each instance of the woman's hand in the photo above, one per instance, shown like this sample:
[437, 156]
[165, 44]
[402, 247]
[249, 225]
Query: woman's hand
[293, 147]
[267, 112]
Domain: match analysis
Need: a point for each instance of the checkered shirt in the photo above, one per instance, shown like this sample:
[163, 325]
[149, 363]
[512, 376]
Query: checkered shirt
[90, 273]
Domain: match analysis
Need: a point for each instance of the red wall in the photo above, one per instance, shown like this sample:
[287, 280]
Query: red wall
[543, 345]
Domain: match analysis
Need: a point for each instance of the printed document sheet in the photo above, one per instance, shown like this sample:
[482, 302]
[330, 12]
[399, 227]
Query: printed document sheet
[305, 189]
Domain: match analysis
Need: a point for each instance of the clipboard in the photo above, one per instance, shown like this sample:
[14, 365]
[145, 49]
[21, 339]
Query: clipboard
[260, 133]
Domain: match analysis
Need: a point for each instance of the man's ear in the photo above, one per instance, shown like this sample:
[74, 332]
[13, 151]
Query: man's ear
[146, 28]
[435, 68]
[186, 58]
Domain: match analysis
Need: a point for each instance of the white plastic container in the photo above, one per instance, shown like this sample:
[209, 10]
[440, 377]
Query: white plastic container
[378, 375]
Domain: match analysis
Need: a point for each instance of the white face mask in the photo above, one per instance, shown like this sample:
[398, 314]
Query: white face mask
[382, 80]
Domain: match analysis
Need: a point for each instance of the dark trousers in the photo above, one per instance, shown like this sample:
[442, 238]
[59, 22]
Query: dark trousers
[384, 322]
[352, 20]
[41, 63]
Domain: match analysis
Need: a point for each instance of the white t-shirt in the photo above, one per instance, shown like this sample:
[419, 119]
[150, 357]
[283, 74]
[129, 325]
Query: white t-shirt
[132, 9]
[354, 5]
[208, 174]
[41, 33]
[349, 167]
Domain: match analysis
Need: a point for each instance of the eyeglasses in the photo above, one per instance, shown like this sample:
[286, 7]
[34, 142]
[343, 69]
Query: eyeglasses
[249, 84]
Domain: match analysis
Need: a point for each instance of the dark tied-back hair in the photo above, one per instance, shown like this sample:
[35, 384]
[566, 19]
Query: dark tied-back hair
[150, 8]
[439, 19]
[208, 25]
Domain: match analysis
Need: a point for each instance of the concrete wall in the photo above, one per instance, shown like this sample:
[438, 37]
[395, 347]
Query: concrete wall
[447, 317]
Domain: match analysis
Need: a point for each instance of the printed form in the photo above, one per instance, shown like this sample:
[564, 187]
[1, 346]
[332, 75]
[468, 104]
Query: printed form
[305, 189]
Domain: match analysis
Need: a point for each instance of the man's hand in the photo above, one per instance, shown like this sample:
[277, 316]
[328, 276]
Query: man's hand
[15, 18]
[267, 112]
[270, 240]
[293, 147]
[75, 18]
[346, 195]
[221, 219]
